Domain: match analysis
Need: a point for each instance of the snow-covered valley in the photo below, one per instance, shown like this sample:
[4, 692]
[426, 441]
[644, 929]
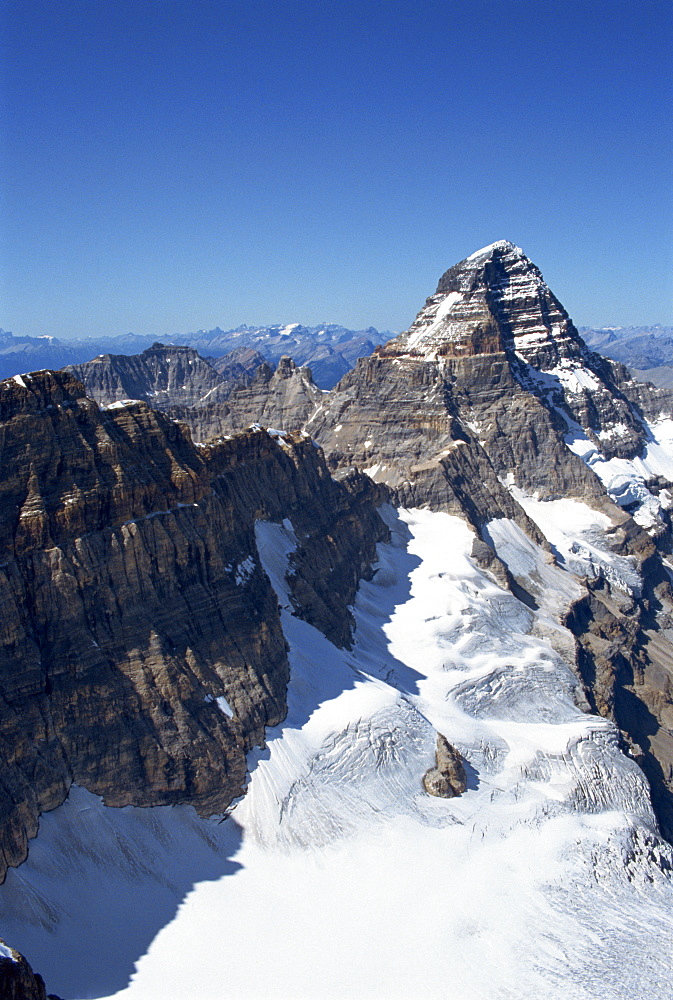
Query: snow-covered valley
[337, 875]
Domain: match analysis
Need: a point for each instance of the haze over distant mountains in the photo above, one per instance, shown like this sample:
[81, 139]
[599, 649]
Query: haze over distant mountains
[646, 350]
[329, 350]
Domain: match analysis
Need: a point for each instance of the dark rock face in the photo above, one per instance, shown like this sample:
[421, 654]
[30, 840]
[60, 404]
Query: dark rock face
[132, 598]
[625, 662]
[280, 399]
[17, 979]
[447, 778]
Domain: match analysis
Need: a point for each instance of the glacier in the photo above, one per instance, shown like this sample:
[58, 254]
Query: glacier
[336, 876]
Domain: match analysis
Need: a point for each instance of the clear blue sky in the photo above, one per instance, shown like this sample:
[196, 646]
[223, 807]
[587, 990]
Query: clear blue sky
[174, 164]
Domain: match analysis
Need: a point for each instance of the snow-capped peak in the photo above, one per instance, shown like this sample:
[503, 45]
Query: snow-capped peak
[498, 245]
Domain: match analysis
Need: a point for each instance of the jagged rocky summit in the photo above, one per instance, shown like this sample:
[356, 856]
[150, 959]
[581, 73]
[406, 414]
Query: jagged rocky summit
[492, 368]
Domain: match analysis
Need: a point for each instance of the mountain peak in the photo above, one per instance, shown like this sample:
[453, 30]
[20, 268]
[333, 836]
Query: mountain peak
[493, 301]
[491, 265]
[488, 251]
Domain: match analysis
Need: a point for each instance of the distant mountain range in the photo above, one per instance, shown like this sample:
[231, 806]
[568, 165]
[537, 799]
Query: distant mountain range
[329, 350]
[646, 350]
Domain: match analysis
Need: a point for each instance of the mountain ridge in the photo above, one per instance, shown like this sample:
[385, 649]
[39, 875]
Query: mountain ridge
[329, 349]
[275, 595]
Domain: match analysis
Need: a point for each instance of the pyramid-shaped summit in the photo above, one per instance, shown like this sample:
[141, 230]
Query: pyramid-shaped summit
[491, 383]
[494, 300]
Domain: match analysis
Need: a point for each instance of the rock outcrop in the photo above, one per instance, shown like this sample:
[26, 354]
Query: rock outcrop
[282, 399]
[447, 778]
[133, 599]
[17, 979]
[238, 390]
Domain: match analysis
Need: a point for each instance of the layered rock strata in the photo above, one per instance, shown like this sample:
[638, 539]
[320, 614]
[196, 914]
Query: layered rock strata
[282, 399]
[162, 376]
[493, 362]
[141, 653]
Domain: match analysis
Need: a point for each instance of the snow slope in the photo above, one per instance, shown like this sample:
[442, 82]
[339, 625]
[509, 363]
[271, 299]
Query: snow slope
[337, 876]
[626, 480]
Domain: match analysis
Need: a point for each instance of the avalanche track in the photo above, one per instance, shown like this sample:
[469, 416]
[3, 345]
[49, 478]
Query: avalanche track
[336, 875]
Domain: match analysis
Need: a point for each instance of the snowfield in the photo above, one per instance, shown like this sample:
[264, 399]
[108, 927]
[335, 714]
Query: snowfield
[336, 877]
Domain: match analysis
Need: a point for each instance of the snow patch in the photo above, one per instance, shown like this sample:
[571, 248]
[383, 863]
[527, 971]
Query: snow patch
[120, 404]
[447, 304]
[224, 706]
[498, 245]
[373, 470]
[425, 331]
[244, 571]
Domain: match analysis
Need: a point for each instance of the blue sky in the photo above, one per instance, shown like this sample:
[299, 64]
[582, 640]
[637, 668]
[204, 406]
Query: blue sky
[174, 164]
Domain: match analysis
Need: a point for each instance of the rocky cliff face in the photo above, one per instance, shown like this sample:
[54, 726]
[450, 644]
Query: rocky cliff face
[140, 652]
[282, 399]
[162, 376]
[17, 979]
[238, 390]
